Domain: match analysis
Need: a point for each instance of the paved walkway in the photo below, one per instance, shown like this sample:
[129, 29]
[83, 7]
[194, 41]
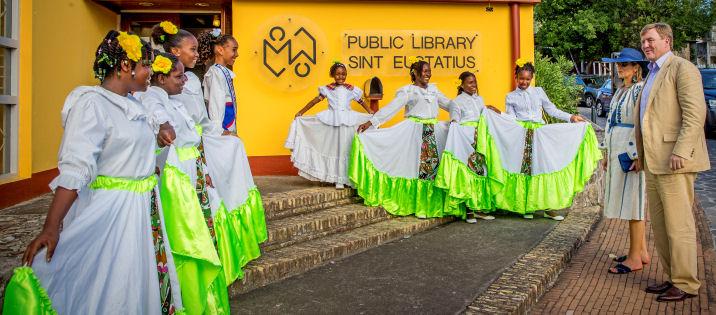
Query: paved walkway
[706, 189]
[586, 287]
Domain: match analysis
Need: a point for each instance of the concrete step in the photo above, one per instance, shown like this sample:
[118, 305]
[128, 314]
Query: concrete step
[300, 228]
[285, 204]
[289, 261]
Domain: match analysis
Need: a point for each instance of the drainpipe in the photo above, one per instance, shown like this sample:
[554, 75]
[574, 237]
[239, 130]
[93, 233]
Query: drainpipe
[514, 34]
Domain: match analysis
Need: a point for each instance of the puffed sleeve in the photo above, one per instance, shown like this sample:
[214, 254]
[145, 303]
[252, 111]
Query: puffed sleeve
[455, 110]
[357, 94]
[443, 101]
[82, 142]
[323, 91]
[550, 108]
[386, 113]
[510, 107]
[156, 114]
[215, 95]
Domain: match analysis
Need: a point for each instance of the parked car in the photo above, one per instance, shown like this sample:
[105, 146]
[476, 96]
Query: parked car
[590, 87]
[708, 77]
[604, 97]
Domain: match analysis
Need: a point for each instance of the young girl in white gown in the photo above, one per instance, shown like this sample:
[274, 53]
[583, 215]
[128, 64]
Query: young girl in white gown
[232, 203]
[395, 167]
[320, 145]
[111, 256]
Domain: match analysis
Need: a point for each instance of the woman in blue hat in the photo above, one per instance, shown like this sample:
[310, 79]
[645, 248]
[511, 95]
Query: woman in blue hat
[625, 193]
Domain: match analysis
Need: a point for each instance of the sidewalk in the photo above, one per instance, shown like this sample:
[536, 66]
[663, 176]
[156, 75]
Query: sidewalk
[586, 287]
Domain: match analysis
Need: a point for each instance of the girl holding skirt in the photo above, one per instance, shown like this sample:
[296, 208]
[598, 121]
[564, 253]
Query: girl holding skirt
[541, 183]
[320, 145]
[102, 249]
[396, 167]
[462, 172]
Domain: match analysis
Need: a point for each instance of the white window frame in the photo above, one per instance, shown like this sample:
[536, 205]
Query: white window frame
[12, 63]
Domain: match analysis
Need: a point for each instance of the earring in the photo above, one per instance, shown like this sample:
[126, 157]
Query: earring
[132, 73]
[633, 79]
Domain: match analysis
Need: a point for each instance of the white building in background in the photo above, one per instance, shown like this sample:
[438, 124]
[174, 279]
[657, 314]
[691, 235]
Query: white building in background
[702, 52]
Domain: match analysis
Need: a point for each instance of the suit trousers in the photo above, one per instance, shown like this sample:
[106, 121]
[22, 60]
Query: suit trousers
[670, 200]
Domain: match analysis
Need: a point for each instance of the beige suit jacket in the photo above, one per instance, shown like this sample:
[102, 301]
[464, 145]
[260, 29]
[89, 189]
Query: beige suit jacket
[674, 119]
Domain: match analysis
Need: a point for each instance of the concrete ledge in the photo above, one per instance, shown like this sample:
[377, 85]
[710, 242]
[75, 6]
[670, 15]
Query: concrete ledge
[519, 287]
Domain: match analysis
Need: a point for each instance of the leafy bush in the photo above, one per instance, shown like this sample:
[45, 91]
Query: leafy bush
[561, 87]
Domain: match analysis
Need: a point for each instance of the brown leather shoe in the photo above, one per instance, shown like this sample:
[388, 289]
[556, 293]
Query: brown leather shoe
[659, 288]
[674, 294]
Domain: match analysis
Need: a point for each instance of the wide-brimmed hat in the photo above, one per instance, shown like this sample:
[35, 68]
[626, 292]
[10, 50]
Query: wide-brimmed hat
[627, 55]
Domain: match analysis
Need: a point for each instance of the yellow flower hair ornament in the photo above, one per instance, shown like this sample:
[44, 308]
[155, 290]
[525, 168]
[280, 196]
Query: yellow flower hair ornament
[169, 27]
[162, 64]
[131, 44]
[414, 59]
[521, 62]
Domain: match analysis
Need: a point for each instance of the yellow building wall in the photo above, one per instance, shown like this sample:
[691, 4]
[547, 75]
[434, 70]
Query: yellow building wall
[65, 34]
[266, 109]
[24, 166]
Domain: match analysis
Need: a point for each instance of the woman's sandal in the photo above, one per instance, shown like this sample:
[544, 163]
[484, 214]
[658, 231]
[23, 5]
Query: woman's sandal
[621, 259]
[620, 269]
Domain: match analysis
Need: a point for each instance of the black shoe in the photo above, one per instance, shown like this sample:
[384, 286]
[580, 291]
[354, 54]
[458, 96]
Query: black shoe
[659, 288]
[674, 294]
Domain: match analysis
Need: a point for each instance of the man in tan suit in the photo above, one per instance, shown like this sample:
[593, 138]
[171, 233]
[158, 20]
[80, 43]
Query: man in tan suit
[672, 147]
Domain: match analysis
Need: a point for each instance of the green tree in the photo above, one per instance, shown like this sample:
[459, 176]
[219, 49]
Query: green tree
[588, 30]
[561, 88]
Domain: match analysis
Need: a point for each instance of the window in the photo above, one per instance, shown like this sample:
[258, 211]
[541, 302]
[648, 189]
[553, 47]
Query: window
[9, 63]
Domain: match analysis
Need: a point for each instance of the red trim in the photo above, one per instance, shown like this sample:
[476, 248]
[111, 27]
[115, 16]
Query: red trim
[25, 189]
[272, 165]
[334, 85]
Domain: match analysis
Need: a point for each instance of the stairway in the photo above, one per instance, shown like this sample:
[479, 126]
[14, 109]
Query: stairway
[311, 227]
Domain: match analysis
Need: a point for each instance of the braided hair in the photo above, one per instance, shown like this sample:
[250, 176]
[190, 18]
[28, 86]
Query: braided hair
[110, 54]
[207, 41]
[528, 66]
[167, 41]
[463, 77]
[416, 69]
[334, 68]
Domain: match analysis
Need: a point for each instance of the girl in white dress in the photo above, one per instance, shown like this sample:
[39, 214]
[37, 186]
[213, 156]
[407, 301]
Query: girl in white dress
[219, 51]
[462, 170]
[185, 47]
[236, 206]
[184, 188]
[395, 167]
[320, 145]
[527, 104]
[625, 192]
[102, 248]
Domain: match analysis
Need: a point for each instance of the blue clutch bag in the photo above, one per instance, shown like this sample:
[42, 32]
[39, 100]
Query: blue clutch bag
[625, 161]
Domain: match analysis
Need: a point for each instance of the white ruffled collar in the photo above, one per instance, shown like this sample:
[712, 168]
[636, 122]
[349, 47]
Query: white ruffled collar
[130, 106]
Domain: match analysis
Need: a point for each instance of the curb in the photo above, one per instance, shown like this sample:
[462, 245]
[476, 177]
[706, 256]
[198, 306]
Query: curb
[519, 287]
